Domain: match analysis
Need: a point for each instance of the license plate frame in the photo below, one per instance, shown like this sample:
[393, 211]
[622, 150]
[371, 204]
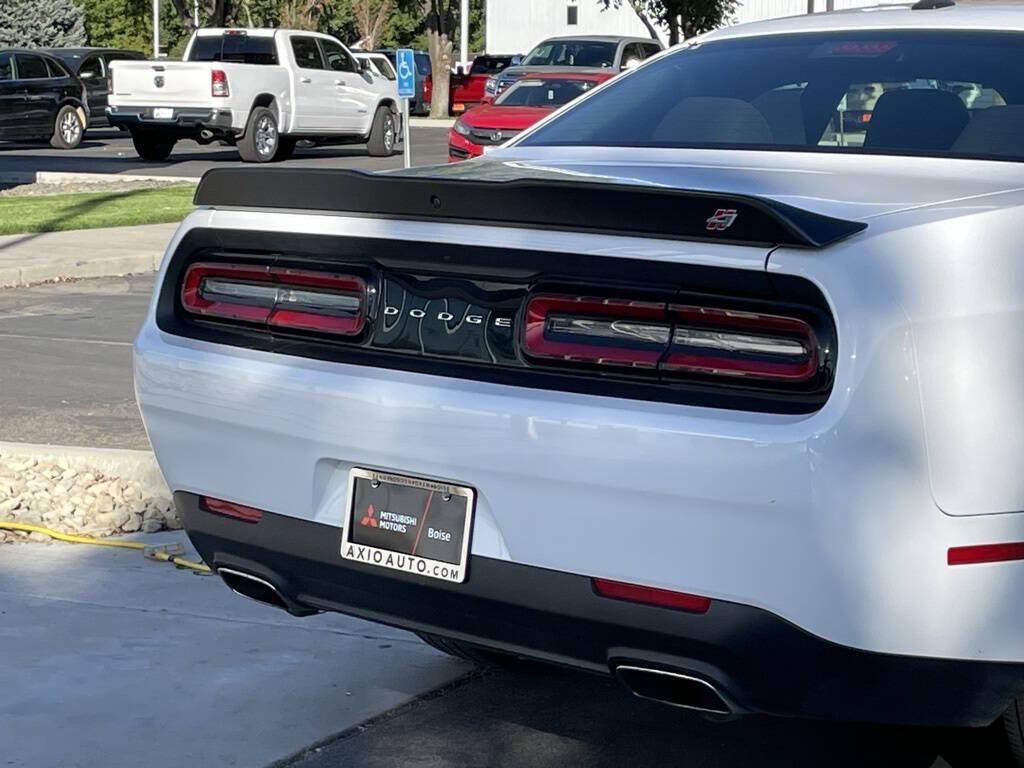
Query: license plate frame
[163, 113]
[393, 517]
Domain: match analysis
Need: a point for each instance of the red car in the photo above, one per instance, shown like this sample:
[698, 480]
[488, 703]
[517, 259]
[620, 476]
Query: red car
[515, 110]
[466, 90]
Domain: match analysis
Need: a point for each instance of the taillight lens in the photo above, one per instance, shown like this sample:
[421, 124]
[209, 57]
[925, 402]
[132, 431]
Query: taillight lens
[219, 83]
[230, 509]
[672, 339]
[276, 296]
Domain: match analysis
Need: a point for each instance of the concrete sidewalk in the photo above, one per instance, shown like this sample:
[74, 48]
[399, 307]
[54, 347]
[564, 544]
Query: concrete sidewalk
[116, 661]
[49, 256]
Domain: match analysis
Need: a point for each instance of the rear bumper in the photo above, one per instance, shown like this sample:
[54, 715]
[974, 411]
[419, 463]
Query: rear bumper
[760, 662]
[186, 120]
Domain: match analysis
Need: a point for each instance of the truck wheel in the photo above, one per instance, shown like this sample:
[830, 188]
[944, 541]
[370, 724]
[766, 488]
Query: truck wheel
[261, 141]
[152, 147]
[383, 134]
[67, 128]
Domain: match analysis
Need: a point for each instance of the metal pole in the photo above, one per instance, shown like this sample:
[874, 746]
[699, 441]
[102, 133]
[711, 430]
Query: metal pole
[195, 12]
[810, 6]
[464, 34]
[406, 144]
[156, 29]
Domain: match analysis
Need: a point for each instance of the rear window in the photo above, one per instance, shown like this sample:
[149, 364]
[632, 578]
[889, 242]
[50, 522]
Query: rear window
[918, 93]
[531, 92]
[239, 49]
[422, 63]
[572, 53]
[489, 65]
[31, 67]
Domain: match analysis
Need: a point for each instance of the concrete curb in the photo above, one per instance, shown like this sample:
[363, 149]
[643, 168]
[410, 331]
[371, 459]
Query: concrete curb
[60, 177]
[64, 269]
[429, 122]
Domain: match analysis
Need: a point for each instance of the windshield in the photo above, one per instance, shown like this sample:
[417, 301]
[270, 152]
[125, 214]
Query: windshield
[543, 92]
[571, 53]
[919, 93]
[241, 49]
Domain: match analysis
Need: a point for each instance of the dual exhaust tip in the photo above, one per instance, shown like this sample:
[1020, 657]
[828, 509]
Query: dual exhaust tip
[677, 689]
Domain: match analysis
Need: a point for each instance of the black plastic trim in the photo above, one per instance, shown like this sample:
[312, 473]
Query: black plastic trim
[368, 257]
[633, 210]
[760, 662]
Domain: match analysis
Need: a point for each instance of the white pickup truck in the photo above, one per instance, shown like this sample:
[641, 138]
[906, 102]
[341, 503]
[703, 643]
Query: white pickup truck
[261, 90]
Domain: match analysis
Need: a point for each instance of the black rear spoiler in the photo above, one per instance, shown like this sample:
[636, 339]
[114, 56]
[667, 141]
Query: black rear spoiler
[576, 206]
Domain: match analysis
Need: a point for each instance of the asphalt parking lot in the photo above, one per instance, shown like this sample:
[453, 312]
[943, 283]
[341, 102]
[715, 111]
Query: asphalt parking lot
[74, 386]
[109, 151]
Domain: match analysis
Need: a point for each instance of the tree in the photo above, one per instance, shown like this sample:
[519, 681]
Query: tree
[683, 18]
[370, 17]
[441, 23]
[31, 24]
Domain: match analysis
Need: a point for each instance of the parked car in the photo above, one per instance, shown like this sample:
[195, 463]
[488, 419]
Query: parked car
[466, 89]
[378, 64]
[91, 66]
[420, 104]
[530, 98]
[40, 100]
[261, 90]
[587, 54]
[668, 388]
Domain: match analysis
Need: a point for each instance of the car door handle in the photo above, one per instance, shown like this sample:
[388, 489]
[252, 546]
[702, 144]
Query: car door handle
[305, 80]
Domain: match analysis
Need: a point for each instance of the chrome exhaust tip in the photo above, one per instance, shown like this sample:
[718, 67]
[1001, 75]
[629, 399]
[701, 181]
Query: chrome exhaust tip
[262, 591]
[674, 688]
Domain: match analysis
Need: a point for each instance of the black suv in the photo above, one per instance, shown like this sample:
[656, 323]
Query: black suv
[40, 99]
[91, 66]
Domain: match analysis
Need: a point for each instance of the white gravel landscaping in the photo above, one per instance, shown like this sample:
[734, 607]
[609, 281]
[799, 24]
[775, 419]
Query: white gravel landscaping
[96, 493]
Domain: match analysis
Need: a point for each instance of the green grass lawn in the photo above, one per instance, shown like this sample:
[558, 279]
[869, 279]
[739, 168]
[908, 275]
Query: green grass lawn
[88, 210]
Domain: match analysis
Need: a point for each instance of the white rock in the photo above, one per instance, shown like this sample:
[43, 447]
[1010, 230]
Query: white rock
[10, 505]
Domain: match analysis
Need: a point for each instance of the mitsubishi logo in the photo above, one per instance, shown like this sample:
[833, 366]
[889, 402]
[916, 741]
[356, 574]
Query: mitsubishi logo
[369, 517]
[158, 81]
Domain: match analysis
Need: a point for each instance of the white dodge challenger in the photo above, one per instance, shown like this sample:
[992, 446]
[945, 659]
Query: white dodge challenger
[713, 380]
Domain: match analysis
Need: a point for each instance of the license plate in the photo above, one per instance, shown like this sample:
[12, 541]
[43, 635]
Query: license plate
[163, 113]
[408, 524]
[458, 107]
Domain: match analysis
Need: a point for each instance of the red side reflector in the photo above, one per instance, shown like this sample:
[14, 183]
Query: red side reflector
[985, 553]
[666, 598]
[230, 509]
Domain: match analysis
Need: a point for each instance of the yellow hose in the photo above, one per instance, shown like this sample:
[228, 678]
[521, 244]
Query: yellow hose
[152, 553]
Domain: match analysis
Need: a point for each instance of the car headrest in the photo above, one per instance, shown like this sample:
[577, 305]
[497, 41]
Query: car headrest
[713, 120]
[994, 131]
[917, 119]
[782, 109]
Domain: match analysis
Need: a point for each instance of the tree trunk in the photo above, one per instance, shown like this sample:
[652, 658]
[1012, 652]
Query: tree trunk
[185, 14]
[440, 23]
[651, 29]
[673, 29]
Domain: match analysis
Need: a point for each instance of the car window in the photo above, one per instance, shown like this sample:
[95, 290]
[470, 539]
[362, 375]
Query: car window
[336, 56]
[6, 72]
[232, 47]
[572, 53]
[488, 65]
[917, 92]
[384, 67]
[30, 67]
[632, 53]
[649, 49]
[92, 69]
[56, 68]
[306, 52]
[422, 63]
[540, 92]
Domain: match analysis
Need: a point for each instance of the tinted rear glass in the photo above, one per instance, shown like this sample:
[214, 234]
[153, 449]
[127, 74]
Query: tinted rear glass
[422, 63]
[31, 67]
[921, 92]
[532, 92]
[240, 49]
[572, 53]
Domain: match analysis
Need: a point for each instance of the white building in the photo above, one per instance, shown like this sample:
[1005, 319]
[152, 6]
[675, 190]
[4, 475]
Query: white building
[515, 26]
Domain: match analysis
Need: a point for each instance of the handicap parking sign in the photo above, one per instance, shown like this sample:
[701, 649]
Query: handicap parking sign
[406, 67]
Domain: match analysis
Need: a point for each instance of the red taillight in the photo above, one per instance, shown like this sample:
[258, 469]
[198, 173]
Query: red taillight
[670, 338]
[666, 598]
[230, 509]
[985, 553]
[219, 83]
[276, 296]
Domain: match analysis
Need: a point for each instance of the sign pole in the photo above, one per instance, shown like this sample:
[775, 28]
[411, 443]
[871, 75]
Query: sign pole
[156, 29]
[406, 144]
